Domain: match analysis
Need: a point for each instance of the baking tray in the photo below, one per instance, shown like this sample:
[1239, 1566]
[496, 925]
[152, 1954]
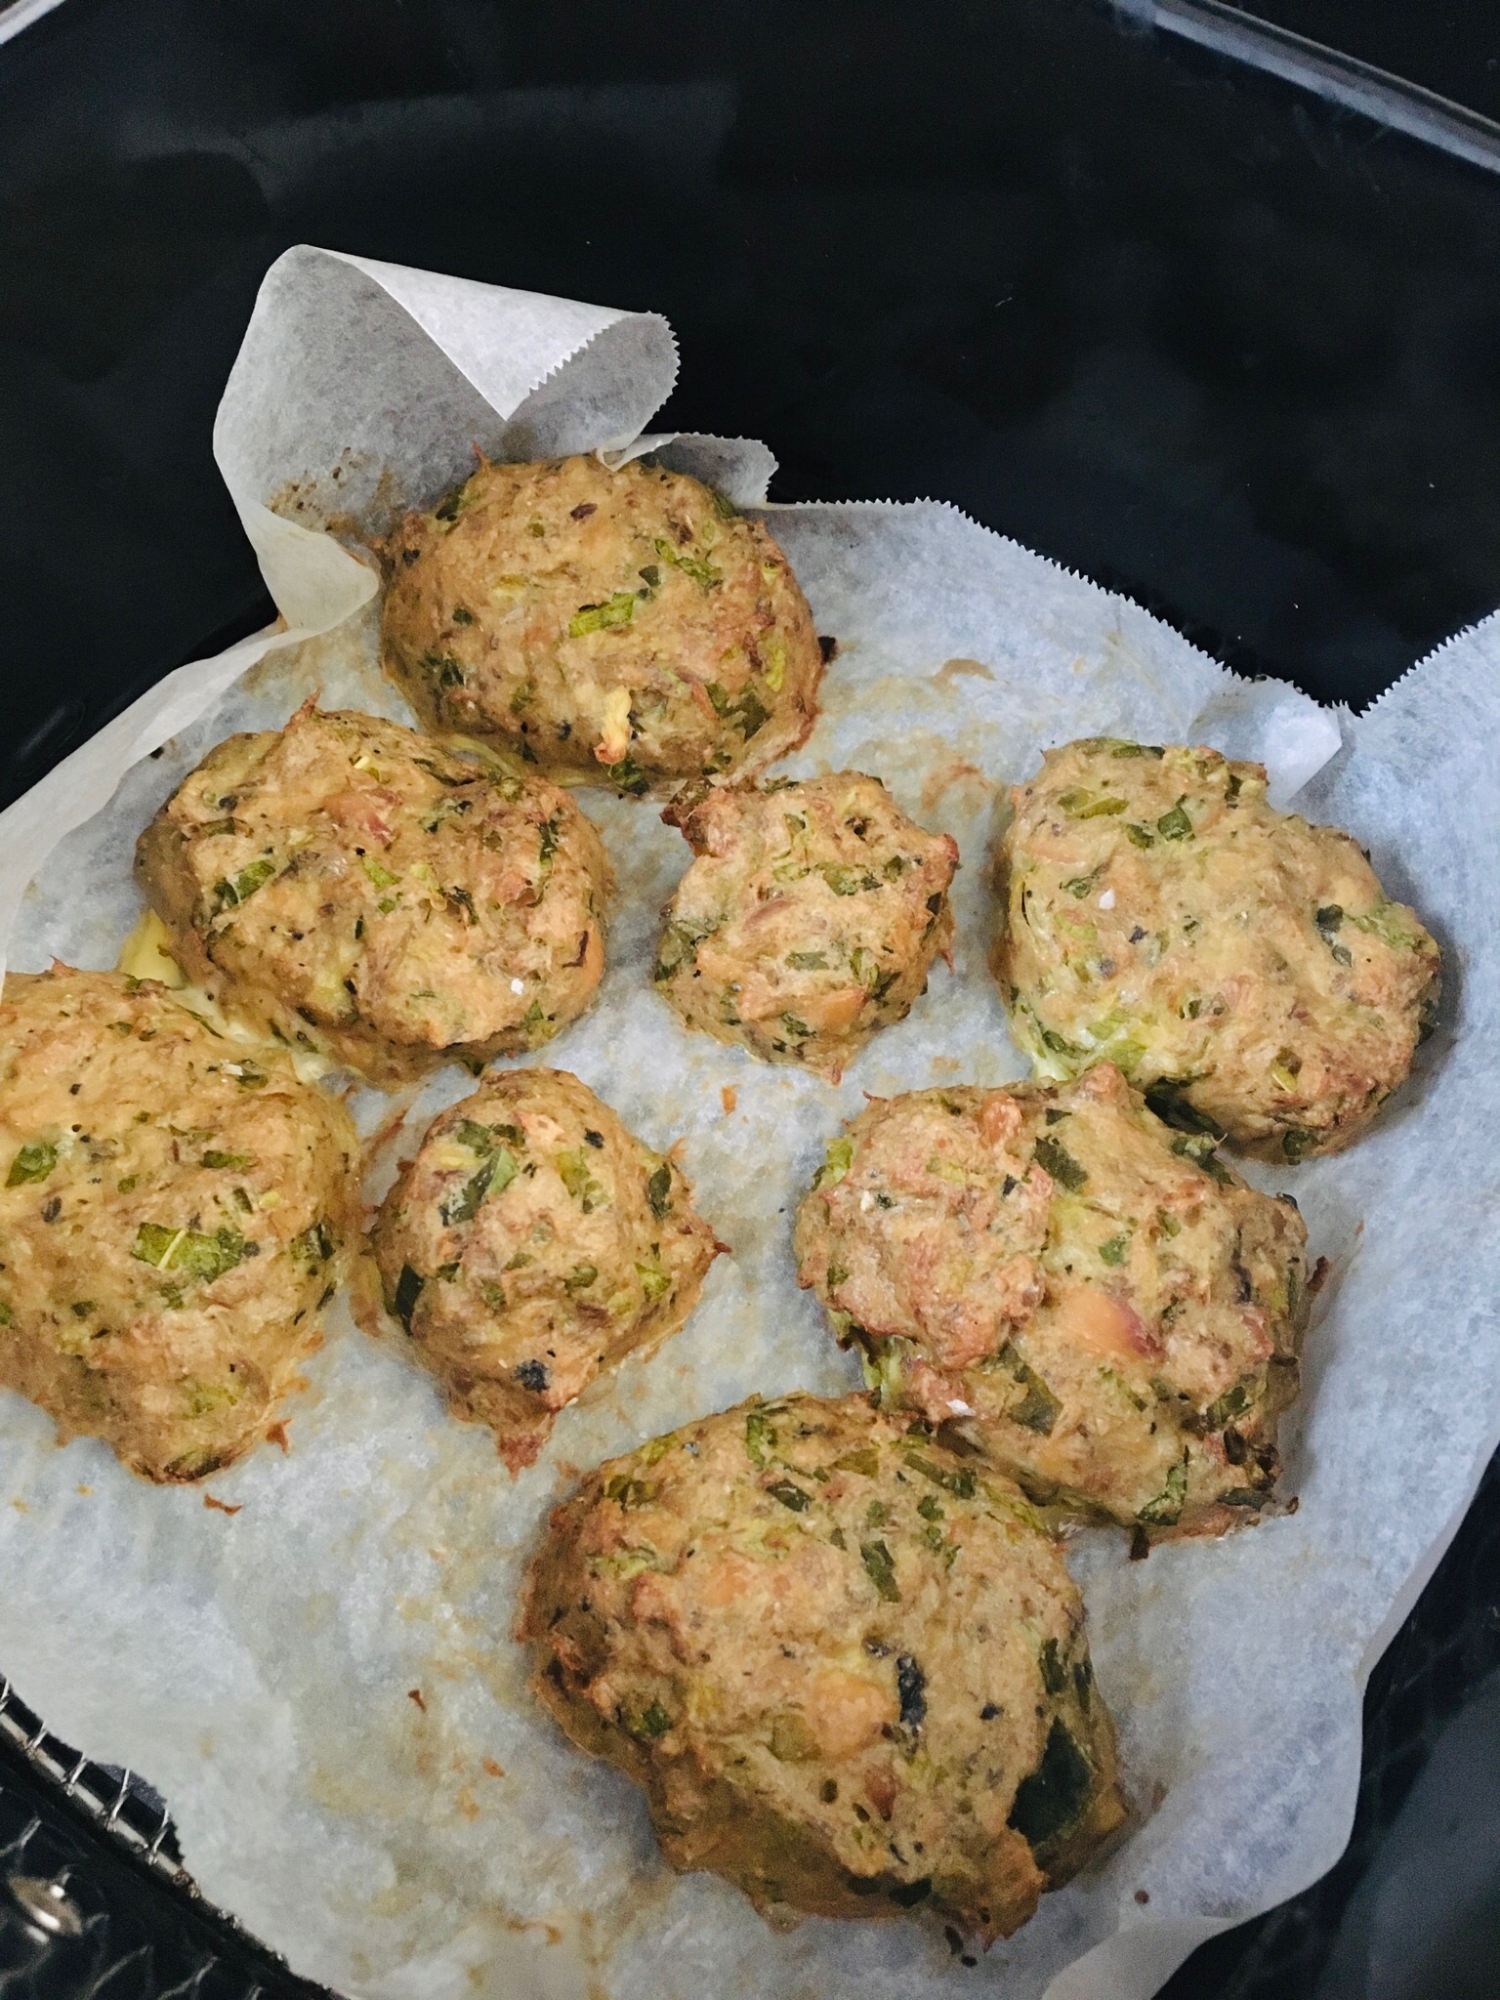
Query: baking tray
[1215, 330]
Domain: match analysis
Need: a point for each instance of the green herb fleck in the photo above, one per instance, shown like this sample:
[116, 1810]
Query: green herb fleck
[193, 1252]
[227, 894]
[659, 1191]
[760, 1439]
[1088, 805]
[881, 1570]
[1166, 1509]
[628, 776]
[790, 1495]
[34, 1162]
[1038, 1409]
[573, 1167]
[1233, 1403]
[959, 1481]
[616, 610]
[315, 1245]
[1175, 825]
[698, 568]
[1055, 1158]
[845, 880]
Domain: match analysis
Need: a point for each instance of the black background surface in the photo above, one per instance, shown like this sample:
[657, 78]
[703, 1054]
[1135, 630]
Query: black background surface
[1179, 326]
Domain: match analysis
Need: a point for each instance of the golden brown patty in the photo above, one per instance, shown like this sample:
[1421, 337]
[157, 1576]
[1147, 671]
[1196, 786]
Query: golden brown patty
[532, 1242]
[627, 627]
[1244, 968]
[403, 901]
[1096, 1302]
[810, 918]
[172, 1217]
[849, 1670]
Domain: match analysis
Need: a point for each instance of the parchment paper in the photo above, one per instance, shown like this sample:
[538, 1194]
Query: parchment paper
[259, 1667]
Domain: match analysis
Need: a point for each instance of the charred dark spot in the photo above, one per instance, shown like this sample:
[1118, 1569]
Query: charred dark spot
[990, 1710]
[52, 1209]
[409, 556]
[905, 1894]
[827, 647]
[532, 1375]
[593, 1138]
[911, 1692]
[408, 1291]
[1235, 1449]
[582, 511]
[1054, 1795]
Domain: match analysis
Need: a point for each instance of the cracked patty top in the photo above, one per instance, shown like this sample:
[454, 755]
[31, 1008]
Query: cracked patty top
[1097, 1302]
[380, 895]
[626, 627]
[809, 919]
[848, 1667]
[1243, 967]
[532, 1242]
[173, 1216]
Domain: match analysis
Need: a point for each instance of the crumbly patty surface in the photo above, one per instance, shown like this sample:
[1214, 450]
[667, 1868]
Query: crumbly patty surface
[848, 1668]
[1242, 966]
[377, 894]
[809, 919]
[173, 1215]
[532, 1242]
[1093, 1300]
[626, 627]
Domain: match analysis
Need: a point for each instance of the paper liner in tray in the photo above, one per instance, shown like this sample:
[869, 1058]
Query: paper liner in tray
[261, 1667]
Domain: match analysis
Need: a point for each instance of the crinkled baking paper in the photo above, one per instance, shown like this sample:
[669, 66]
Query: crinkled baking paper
[262, 1668]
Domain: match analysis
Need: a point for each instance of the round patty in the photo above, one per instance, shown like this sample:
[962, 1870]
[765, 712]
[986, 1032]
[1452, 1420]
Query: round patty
[810, 918]
[1243, 967]
[532, 1242]
[624, 627]
[849, 1670]
[172, 1218]
[1095, 1301]
[379, 895]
